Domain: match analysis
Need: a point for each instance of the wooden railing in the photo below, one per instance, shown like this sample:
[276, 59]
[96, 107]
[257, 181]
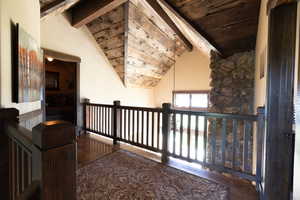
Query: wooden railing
[37, 159]
[222, 142]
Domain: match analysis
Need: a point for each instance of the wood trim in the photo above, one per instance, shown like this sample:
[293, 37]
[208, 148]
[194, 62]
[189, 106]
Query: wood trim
[189, 92]
[75, 59]
[61, 56]
[56, 7]
[87, 11]
[165, 17]
[280, 86]
[274, 3]
[196, 38]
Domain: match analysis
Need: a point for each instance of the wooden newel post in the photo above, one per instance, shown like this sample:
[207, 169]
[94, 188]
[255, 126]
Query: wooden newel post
[165, 130]
[85, 114]
[54, 159]
[260, 135]
[116, 123]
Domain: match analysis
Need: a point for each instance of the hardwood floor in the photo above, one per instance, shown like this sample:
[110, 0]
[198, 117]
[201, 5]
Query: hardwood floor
[92, 147]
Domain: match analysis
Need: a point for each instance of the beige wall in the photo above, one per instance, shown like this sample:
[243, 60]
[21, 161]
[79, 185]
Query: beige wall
[261, 56]
[27, 14]
[98, 80]
[192, 72]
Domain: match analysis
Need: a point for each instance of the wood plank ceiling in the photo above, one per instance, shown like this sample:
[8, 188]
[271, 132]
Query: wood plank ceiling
[231, 25]
[140, 47]
[142, 38]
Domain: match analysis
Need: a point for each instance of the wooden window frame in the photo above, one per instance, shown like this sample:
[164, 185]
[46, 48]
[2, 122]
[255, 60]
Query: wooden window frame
[190, 92]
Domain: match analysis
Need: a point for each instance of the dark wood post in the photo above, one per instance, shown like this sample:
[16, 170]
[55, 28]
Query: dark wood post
[85, 101]
[6, 115]
[165, 130]
[54, 159]
[116, 123]
[260, 135]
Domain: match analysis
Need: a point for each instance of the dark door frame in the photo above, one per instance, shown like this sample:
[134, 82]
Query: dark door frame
[280, 95]
[67, 58]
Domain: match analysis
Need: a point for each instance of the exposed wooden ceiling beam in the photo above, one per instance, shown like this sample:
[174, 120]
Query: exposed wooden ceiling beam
[56, 7]
[163, 15]
[88, 10]
[187, 29]
[274, 3]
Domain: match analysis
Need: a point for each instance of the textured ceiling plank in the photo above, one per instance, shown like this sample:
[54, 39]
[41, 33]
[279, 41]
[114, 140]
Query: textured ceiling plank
[87, 11]
[153, 5]
[56, 7]
[188, 30]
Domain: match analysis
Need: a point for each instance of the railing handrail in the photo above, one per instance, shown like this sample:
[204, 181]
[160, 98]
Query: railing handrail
[184, 111]
[216, 115]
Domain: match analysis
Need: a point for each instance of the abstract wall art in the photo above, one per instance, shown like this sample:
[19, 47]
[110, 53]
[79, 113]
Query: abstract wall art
[28, 67]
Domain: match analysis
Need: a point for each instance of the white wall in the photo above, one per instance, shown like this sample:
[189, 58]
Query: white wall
[98, 80]
[192, 72]
[27, 14]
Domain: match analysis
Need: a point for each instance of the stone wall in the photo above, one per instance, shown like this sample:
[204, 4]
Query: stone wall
[232, 82]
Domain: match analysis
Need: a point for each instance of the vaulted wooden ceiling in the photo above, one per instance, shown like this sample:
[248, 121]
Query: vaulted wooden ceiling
[142, 38]
[231, 25]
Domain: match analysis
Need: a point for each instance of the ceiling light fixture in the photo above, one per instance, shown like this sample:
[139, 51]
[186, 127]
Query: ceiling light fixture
[50, 59]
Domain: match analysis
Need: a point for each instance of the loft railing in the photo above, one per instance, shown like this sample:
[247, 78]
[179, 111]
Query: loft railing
[228, 143]
[37, 159]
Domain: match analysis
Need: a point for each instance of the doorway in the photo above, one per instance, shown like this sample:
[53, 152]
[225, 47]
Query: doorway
[60, 90]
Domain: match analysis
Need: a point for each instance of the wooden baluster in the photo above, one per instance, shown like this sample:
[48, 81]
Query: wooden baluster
[260, 145]
[205, 140]
[129, 122]
[133, 125]
[147, 141]
[138, 126]
[234, 143]
[105, 121]
[102, 120]
[197, 136]
[181, 133]
[91, 119]
[247, 135]
[224, 140]
[94, 110]
[174, 132]
[143, 122]
[189, 137]
[109, 116]
[213, 140]
[158, 129]
[121, 124]
[152, 129]
[125, 124]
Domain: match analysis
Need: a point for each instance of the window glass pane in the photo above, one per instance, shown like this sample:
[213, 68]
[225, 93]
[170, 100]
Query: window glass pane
[200, 100]
[182, 100]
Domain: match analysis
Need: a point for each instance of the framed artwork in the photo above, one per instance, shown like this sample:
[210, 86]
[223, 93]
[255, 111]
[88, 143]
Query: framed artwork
[28, 67]
[52, 80]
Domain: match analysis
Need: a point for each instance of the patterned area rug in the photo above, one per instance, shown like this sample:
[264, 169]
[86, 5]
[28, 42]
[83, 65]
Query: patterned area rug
[127, 176]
